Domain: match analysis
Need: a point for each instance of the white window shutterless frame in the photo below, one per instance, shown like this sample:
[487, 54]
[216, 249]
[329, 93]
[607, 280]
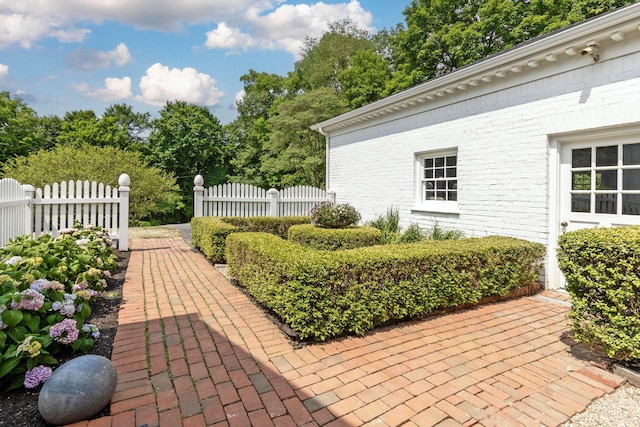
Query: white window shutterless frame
[598, 183]
[437, 181]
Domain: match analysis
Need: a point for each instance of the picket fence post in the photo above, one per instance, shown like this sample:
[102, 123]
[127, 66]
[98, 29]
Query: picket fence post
[198, 194]
[332, 196]
[273, 201]
[29, 193]
[123, 193]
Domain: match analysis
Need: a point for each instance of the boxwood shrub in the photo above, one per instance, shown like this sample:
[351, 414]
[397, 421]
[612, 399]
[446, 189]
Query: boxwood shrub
[602, 269]
[209, 233]
[332, 239]
[322, 294]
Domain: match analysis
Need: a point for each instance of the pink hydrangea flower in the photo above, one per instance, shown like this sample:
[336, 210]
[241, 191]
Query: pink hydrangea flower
[65, 332]
[30, 299]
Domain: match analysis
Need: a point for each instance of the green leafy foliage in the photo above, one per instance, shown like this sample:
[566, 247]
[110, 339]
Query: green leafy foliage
[46, 286]
[186, 140]
[295, 154]
[153, 192]
[209, 233]
[332, 239]
[602, 269]
[389, 226]
[322, 294]
[20, 131]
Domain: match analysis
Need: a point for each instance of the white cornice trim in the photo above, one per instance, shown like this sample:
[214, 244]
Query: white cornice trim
[544, 50]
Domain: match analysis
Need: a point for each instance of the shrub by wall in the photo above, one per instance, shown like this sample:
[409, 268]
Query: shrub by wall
[209, 233]
[333, 239]
[322, 294]
[602, 269]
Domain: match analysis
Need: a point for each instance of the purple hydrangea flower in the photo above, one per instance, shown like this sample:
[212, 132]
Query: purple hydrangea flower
[36, 376]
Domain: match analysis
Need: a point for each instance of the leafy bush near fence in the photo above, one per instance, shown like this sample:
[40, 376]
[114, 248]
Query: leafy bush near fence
[332, 239]
[46, 285]
[602, 269]
[322, 294]
[209, 233]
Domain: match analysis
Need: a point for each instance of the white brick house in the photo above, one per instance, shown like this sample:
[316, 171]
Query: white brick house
[534, 141]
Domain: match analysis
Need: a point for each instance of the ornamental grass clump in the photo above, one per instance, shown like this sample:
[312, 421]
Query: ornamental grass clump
[46, 285]
[332, 215]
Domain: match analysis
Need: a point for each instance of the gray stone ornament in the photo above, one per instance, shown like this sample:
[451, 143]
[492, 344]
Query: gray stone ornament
[77, 390]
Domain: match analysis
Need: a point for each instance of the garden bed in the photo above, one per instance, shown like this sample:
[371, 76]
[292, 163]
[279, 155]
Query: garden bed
[19, 408]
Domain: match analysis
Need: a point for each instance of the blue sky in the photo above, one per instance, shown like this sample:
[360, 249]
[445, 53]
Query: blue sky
[65, 55]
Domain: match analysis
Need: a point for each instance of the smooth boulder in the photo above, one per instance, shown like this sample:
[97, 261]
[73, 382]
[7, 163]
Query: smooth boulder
[77, 390]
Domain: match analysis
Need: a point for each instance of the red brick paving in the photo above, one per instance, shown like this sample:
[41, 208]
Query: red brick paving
[192, 350]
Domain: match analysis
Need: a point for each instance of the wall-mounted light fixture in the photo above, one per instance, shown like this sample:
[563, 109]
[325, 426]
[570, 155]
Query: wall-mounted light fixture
[591, 50]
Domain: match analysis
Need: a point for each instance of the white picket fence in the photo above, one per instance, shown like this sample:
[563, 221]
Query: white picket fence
[30, 211]
[245, 200]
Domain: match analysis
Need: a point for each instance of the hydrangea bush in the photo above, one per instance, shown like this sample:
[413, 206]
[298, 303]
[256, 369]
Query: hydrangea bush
[46, 286]
[332, 215]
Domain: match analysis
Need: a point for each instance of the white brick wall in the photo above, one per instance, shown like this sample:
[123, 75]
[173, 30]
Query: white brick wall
[502, 139]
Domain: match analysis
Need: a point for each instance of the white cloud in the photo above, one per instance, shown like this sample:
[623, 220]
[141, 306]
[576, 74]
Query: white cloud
[4, 71]
[239, 24]
[114, 89]
[225, 37]
[93, 59]
[162, 84]
[286, 27]
[24, 23]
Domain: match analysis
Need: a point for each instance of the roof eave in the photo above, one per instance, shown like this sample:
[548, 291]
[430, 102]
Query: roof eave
[542, 49]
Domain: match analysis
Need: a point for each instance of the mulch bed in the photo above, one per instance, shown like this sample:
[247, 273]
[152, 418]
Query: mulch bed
[19, 408]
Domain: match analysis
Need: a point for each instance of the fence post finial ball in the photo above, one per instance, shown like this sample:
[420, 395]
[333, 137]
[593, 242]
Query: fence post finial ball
[198, 180]
[124, 180]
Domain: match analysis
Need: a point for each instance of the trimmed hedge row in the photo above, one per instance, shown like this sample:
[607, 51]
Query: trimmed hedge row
[209, 233]
[322, 294]
[602, 269]
[333, 239]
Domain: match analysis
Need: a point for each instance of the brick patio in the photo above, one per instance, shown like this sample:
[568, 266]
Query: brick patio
[191, 349]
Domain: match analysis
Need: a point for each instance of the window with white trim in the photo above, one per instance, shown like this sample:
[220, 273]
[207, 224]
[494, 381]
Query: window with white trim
[438, 177]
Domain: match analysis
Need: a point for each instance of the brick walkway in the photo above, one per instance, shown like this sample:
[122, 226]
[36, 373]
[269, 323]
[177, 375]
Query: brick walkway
[193, 350]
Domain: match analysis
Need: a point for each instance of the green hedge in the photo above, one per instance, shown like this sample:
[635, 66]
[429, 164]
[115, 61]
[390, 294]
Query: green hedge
[267, 224]
[602, 269]
[322, 294]
[333, 239]
[209, 233]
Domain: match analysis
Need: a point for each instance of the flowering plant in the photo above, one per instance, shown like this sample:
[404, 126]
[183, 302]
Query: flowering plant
[46, 286]
[332, 215]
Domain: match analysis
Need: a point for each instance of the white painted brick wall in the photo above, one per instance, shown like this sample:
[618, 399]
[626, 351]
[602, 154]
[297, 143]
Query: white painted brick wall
[502, 140]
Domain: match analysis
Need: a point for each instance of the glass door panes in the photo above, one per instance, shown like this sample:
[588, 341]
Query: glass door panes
[606, 179]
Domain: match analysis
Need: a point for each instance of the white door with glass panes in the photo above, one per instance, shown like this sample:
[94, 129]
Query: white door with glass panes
[599, 183]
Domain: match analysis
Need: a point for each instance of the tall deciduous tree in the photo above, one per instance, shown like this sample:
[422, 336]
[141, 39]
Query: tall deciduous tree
[19, 128]
[324, 58]
[129, 129]
[247, 134]
[295, 155]
[187, 140]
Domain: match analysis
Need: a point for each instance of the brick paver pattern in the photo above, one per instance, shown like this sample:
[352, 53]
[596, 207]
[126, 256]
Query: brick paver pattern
[192, 349]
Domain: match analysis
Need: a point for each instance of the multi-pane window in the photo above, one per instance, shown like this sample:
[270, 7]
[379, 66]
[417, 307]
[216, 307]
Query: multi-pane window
[606, 180]
[439, 178]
